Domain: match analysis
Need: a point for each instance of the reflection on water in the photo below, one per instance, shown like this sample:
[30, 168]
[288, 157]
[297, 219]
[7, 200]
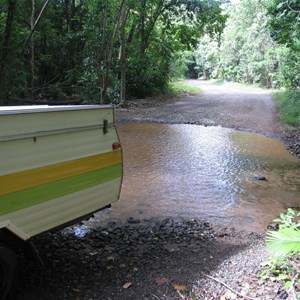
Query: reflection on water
[205, 172]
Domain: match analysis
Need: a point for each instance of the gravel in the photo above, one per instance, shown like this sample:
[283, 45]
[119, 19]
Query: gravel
[150, 259]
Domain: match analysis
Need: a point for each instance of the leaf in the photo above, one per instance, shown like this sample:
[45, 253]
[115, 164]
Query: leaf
[280, 5]
[161, 281]
[282, 276]
[287, 285]
[285, 241]
[180, 287]
[291, 212]
[127, 285]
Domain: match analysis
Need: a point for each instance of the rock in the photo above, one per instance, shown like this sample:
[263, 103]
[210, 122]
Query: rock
[132, 220]
[259, 177]
[282, 294]
[112, 224]
[273, 226]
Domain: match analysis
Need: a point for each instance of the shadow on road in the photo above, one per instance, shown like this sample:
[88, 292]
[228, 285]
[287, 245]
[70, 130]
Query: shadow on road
[150, 259]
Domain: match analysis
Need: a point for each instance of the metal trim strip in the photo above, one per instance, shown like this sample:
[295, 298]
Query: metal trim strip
[52, 132]
[29, 109]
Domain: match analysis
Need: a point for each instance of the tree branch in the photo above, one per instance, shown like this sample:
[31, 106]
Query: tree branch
[229, 288]
[36, 23]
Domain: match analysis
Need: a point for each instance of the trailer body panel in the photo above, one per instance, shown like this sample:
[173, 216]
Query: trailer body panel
[57, 165]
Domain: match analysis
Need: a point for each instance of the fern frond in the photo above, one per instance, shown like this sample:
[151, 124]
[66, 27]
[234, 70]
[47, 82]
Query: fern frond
[284, 242]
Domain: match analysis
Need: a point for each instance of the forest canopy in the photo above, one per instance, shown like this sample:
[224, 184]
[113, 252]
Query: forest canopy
[87, 51]
[260, 45]
[91, 50]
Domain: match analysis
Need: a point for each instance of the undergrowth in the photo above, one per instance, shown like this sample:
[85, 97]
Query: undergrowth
[288, 103]
[283, 245]
[177, 87]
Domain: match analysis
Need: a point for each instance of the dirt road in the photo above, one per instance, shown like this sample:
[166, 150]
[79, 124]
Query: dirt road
[228, 105]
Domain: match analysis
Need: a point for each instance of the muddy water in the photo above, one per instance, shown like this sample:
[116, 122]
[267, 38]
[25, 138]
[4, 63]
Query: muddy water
[205, 172]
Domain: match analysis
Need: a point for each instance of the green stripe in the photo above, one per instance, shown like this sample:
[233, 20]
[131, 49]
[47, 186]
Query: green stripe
[45, 192]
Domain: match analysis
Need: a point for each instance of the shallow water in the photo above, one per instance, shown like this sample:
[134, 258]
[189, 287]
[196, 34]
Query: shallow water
[190, 171]
[205, 172]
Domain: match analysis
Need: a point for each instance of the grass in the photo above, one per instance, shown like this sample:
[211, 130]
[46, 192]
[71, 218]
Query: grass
[178, 87]
[288, 103]
[218, 81]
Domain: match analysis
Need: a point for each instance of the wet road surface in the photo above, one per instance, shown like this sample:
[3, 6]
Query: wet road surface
[191, 171]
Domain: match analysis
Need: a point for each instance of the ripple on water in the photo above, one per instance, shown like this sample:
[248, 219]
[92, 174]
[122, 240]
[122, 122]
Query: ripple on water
[197, 171]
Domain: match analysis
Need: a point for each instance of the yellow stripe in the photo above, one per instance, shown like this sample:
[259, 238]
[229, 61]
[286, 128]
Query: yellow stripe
[27, 179]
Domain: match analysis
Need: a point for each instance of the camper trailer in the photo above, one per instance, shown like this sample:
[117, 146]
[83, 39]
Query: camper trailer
[59, 164]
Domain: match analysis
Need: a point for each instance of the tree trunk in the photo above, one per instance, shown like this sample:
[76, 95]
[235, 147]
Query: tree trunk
[146, 32]
[143, 25]
[8, 28]
[70, 13]
[109, 52]
[67, 13]
[131, 33]
[123, 55]
[32, 44]
[36, 23]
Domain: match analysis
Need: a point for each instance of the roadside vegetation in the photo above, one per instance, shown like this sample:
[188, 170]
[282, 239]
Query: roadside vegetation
[181, 86]
[289, 106]
[283, 245]
[259, 45]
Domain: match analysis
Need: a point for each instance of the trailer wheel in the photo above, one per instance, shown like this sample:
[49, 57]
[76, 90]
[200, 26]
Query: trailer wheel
[8, 271]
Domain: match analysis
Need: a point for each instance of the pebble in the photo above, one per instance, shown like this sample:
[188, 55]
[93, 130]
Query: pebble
[132, 220]
[259, 177]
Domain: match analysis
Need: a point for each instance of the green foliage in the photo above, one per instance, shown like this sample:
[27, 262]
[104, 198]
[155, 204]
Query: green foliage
[285, 22]
[208, 58]
[179, 24]
[247, 51]
[179, 65]
[73, 39]
[289, 107]
[283, 271]
[77, 46]
[284, 246]
[148, 74]
[287, 219]
[291, 69]
[286, 240]
[278, 269]
[241, 53]
[178, 87]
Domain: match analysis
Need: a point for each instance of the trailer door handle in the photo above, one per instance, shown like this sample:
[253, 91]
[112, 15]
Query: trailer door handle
[105, 126]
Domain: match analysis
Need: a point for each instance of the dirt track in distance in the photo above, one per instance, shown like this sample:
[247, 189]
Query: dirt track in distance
[228, 105]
